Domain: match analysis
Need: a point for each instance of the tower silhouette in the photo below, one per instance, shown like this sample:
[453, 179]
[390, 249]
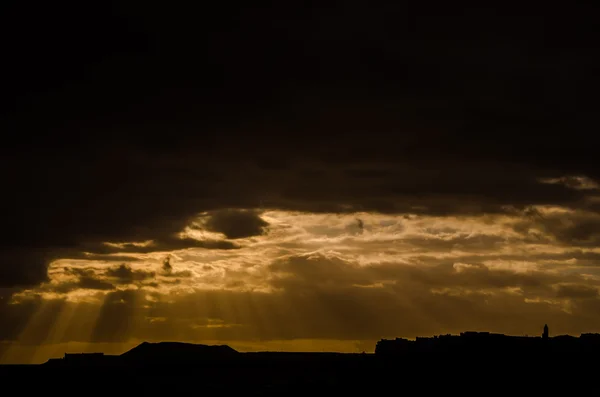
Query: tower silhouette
[545, 334]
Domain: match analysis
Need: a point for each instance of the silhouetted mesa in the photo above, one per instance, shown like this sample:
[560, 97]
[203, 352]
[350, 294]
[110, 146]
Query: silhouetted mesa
[177, 351]
[162, 353]
[486, 342]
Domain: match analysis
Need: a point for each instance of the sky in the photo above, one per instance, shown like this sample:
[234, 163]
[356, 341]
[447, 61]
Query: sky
[294, 176]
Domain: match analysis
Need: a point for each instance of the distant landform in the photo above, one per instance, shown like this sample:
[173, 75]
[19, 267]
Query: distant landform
[477, 362]
[482, 343]
[187, 354]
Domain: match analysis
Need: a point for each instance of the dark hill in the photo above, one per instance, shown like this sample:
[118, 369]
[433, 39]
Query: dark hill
[177, 351]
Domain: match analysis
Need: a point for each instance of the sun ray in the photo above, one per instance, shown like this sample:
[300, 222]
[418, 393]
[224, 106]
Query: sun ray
[255, 315]
[225, 311]
[60, 324]
[273, 319]
[35, 330]
[84, 328]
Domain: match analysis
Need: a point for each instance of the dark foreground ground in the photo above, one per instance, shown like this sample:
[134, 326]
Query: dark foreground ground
[312, 374]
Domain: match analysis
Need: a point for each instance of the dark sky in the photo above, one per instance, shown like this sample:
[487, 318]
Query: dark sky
[124, 121]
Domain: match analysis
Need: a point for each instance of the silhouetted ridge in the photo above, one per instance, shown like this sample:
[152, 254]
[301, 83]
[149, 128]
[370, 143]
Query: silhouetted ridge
[177, 351]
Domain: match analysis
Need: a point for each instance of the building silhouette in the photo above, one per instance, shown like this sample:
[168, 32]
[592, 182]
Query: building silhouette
[485, 343]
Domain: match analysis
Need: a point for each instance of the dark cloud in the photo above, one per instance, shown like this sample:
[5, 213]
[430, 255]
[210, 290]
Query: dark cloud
[123, 132]
[80, 271]
[168, 270]
[235, 223]
[126, 275]
[575, 182]
[574, 228]
[94, 283]
[166, 266]
[576, 291]
[87, 278]
[356, 227]
[20, 267]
